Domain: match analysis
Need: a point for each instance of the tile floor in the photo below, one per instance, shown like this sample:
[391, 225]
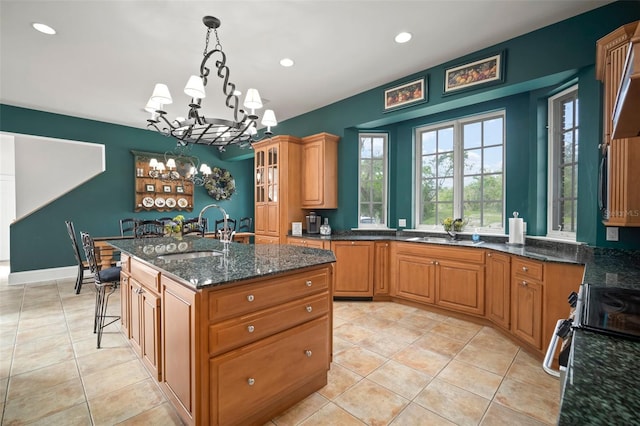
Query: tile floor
[393, 364]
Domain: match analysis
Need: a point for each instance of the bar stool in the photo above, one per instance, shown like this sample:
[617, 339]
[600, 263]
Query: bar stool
[106, 281]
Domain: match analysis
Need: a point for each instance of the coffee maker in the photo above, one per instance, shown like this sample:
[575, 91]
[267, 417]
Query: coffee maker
[313, 223]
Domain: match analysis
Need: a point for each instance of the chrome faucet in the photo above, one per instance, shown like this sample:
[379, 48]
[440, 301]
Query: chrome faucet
[226, 236]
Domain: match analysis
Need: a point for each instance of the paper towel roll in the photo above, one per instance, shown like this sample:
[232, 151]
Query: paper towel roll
[516, 229]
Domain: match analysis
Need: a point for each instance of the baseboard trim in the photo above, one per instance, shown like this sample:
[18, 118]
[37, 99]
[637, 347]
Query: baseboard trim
[43, 275]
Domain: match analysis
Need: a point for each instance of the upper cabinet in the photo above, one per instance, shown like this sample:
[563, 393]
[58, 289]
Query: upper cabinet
[277, 194]
[614, 52]
[626, 110]
[622, 176]
[320, 171]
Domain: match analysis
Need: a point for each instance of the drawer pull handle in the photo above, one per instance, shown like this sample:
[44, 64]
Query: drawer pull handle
[524, 283]
[251, 329]
[524, 268]
[308, 353]
[250, 298]
[309, 309]
[488, 254]
[308, 283]
[251, 381]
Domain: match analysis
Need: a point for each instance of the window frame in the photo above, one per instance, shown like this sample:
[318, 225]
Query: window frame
[458, 165]
[385, 188]
[554, 117]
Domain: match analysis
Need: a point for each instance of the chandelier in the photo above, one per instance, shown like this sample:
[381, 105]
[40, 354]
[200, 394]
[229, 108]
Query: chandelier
[198, 129]
[178, 166]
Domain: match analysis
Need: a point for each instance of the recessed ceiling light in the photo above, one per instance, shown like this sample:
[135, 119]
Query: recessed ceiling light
[43, 28]
[286, 62]
[403, 37]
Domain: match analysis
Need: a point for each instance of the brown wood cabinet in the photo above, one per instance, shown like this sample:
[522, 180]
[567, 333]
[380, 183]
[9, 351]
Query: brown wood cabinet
[277, 195]
[382, 252]
[526, 301]
[624, 153]
[320, 171]
[309, 242]
[354, 268]
[498, 285]
[227, 352]
[452, 277]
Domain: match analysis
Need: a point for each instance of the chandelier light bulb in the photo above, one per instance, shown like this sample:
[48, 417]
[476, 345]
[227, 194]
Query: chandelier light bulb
[161, 167]
[269, 119]
[152, 106]
[153, 163]
[161, 94]
[195, 88]
[171, 163]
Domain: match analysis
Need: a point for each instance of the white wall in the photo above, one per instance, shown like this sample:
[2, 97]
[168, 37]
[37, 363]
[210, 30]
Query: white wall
[47, 168]
[7, 192]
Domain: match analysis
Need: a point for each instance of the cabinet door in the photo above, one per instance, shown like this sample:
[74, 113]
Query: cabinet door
[381, 269]
[135, 322]
[460, 286]
[179, 334]
[498, 282]
[354, 268]
[526, 310]
[124, 303]
[312, 175]
[415, 278]
[150, 316]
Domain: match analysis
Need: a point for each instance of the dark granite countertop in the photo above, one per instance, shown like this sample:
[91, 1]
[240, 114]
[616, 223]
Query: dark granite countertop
[242, 262]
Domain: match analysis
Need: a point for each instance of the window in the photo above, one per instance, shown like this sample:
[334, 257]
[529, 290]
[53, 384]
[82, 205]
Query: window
[563, 164]
[460, 172]
[372, 210]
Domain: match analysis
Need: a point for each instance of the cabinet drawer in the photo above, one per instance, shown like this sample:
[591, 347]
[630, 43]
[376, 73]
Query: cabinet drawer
[441, 251]
[251, 378]
[241, 331]
[251, 298]
[146, 276]
[527, 268]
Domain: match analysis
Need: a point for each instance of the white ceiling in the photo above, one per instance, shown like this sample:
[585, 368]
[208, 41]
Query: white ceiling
[107, 55]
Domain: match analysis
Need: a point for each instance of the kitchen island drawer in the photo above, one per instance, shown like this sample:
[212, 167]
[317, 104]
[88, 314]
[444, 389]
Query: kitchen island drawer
[250, 379]
[240, 331]
[145, 275]
[244, 299]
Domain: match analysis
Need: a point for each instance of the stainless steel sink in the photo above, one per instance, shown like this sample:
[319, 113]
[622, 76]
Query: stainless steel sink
[190, 255]
[439, 240]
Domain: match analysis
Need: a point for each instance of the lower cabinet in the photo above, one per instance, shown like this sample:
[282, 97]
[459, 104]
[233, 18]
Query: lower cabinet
[526, 309]
[354, 268]
[251, 377]
[452, 278]
[381, 268]
[144, 325]
[233, 355]
[498, 285]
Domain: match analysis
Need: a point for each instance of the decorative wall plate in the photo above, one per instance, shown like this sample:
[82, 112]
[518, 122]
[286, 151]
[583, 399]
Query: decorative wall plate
[160, 202]
[147, 202]
[182, 203]
[171, 202]
[154, 173]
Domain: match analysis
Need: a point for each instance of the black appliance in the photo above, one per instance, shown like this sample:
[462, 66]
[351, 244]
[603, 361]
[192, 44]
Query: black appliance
[609, 310]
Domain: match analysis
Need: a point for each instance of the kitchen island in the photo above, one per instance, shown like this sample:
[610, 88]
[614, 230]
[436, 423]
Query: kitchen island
[233, 337]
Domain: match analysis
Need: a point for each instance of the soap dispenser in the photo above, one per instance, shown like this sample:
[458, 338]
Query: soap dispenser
[325, 229]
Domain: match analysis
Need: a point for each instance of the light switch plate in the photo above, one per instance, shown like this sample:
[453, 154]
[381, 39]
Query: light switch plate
[402, 223]
[612, 233]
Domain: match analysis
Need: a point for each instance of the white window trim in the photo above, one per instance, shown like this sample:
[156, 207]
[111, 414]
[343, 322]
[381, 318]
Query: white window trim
[551, 233]
[458, 152]
[385, 201]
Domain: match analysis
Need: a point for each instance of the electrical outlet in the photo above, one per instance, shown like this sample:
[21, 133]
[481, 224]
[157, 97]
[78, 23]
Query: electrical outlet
[612, 233]
[402, 223]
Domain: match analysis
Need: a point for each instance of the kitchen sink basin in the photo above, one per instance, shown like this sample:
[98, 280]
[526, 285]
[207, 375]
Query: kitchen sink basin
[190, 255]
[439, 240]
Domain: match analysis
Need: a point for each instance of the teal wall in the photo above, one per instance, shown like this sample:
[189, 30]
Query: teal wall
[538, 64]
[40, 239]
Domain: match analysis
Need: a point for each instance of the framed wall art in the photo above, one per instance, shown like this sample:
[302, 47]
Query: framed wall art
[474, 74]
[166, 188]
[151, 188]
[405, 94]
